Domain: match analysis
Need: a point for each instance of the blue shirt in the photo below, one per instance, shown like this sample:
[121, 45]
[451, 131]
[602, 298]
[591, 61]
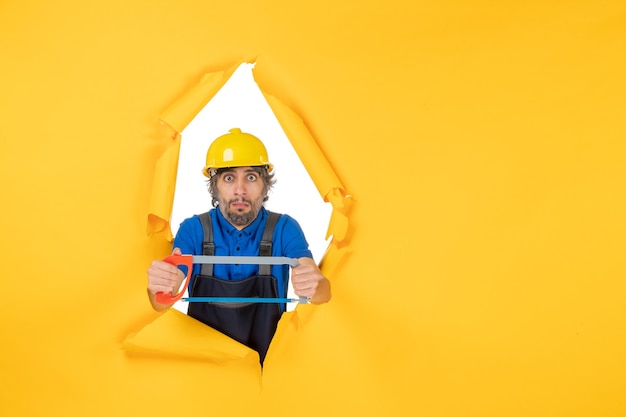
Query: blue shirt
[288, 240]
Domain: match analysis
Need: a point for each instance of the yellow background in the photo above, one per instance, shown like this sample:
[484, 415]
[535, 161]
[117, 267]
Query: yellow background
[483, 267]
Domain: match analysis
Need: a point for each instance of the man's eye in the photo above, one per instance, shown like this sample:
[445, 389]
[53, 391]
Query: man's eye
[228, 178]
[252, 177]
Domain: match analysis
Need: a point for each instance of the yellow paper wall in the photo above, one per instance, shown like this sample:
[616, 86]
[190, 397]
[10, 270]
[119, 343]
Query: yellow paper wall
[483, 146]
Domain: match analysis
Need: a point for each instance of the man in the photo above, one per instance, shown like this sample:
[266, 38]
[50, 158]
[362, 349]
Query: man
[240, 178]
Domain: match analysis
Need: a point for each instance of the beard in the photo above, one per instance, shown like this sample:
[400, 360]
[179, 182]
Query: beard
[238, 217]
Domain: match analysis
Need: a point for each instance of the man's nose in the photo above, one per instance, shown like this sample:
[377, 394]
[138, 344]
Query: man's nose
[240, 186]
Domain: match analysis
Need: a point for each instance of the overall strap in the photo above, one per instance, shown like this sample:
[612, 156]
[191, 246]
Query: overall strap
[208, 247]
[266, 241]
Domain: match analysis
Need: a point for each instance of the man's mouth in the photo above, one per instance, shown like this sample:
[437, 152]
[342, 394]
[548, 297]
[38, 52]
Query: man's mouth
[239, 204]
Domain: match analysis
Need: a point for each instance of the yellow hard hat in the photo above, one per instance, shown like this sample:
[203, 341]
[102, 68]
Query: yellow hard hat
[236, 149]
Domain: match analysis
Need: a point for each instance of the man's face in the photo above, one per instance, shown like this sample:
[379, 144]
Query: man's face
[241, 193]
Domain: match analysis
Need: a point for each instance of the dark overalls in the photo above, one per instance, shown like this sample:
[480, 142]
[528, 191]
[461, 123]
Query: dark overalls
[252, 324]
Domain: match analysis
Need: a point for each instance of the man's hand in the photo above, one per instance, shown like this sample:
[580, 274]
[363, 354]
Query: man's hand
[308, 281]
[163, 277]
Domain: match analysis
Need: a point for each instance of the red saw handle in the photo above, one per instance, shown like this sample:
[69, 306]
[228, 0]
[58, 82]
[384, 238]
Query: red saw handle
[165, 298]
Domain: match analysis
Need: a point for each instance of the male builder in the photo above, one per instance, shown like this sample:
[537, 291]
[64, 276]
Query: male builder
[240, 178]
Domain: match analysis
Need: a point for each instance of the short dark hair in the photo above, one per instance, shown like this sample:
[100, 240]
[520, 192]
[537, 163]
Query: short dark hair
[267, 177]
